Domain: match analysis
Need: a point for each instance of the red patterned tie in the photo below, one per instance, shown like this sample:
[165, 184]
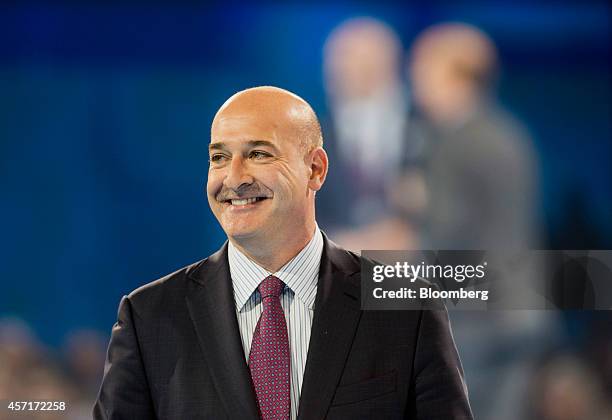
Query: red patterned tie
[269, 356]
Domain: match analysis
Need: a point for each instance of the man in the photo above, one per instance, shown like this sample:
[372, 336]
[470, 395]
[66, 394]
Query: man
[366, 125]
[480, 174]
[480, 169]
[270, 326]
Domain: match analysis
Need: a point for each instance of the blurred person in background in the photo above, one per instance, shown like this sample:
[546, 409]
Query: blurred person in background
[28, 372]
[84, 354]
[477, 178]
[83, 359]
[480, 167]
[565, 388]
[598, 347]
[365, 134]
[19, 351]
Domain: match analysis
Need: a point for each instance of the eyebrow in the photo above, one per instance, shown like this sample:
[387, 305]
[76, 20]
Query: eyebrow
[251, 143]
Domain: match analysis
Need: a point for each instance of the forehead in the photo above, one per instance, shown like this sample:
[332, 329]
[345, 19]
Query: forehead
[245, 129]
[241, 124]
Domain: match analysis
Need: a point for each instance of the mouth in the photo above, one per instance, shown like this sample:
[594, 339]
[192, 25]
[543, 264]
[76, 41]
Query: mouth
[243, 203]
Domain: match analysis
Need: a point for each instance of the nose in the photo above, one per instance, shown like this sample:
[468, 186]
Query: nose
[237, 174]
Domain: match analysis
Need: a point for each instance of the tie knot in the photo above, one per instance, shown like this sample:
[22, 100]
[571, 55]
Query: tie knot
[271, 286]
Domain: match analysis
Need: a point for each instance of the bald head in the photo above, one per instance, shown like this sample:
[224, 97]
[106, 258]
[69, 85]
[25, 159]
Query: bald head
[277, 110]
[266, 165]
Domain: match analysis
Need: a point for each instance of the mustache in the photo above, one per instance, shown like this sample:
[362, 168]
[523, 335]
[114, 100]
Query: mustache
[254, 189]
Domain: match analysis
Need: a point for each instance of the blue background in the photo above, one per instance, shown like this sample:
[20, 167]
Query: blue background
[105, 112]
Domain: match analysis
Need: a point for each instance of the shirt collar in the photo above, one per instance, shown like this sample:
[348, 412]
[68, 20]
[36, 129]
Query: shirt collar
[300, 274]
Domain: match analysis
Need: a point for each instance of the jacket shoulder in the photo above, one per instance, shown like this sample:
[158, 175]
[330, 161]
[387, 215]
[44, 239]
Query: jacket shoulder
[347, 261]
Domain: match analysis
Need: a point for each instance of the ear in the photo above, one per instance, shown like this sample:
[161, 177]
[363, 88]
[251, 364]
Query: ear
[317, 165]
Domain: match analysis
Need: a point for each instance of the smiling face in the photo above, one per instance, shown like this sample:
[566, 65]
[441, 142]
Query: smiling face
[263, 169]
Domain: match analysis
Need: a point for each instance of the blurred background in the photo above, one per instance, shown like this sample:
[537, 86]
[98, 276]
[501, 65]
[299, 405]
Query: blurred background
[449, 126]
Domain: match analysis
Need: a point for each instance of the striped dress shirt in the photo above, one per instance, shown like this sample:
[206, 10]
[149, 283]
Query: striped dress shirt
[300, 276]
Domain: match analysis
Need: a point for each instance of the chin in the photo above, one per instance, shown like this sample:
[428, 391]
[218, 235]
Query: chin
[241, 230]
[240, 233]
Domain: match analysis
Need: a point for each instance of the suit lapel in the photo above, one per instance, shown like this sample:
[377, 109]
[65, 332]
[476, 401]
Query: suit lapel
[336, 317]
[210, 300]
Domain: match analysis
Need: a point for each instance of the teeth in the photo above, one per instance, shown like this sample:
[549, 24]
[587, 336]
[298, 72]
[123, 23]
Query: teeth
[244, 201]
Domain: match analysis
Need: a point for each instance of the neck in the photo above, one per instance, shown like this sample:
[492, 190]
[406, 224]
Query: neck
[273, 252]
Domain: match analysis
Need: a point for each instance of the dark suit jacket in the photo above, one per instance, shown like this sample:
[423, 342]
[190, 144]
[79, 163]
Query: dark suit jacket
[175, 353]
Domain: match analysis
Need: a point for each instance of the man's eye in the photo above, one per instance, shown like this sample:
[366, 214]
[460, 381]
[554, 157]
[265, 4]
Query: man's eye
[218, 158]
[256, 154]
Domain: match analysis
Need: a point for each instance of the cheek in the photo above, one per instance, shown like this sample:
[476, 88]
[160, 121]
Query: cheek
[213, 186]
[291, 184]
[213, 183]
